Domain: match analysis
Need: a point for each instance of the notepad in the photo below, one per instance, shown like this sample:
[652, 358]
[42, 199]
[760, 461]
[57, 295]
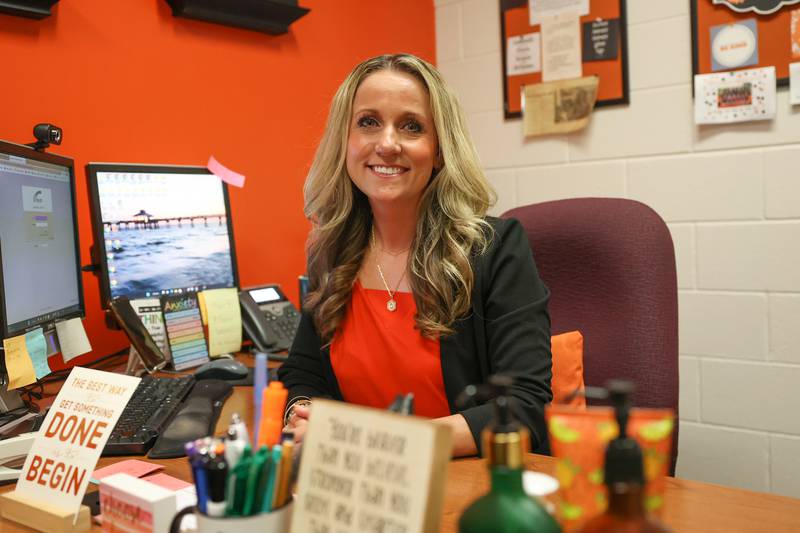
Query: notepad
[187, 341]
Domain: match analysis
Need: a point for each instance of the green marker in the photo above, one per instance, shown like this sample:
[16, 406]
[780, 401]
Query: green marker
[237, 483]
[254, 480]
[274, 472]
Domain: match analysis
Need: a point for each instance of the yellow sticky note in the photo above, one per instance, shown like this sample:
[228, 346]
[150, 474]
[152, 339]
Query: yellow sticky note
[224, 320]
[201, 299]
[18, 363]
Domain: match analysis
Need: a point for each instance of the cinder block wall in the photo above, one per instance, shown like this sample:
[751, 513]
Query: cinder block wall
[731, 197]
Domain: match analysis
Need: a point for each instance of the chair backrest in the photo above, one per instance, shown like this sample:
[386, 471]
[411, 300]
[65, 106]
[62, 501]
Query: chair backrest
[610, 267]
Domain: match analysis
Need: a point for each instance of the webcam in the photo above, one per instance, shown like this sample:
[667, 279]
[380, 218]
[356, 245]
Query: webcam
[46, 134]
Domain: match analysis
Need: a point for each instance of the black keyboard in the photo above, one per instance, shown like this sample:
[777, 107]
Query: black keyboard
[153, 404]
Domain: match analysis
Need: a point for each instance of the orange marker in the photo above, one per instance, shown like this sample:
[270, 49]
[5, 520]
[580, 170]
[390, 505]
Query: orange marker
[272, 406]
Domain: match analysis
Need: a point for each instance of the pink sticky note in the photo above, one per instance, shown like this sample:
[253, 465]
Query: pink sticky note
[167, 481]
[133, 467]
[225, 174]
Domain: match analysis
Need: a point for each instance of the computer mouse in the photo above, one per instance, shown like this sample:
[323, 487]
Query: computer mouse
[228, 369]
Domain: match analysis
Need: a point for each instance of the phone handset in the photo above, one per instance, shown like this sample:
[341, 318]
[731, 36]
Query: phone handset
[269, 318]
[255, 323]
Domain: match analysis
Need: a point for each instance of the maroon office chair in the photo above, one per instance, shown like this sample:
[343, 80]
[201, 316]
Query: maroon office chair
[610, 267]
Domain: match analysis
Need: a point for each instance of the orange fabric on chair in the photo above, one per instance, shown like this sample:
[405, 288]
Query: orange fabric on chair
[567, 349]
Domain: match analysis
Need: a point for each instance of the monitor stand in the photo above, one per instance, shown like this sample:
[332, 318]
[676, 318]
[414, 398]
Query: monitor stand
[135, 366]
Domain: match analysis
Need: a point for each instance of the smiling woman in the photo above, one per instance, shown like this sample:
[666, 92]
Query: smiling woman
[412, 288]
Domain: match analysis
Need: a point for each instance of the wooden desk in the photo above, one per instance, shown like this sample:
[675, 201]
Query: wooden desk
[690, 506]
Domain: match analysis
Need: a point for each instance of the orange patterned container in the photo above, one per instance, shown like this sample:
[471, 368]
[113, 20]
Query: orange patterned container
[578, 439]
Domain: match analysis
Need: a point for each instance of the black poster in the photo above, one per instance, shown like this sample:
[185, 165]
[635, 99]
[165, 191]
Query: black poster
[600, 40]
[762, 7]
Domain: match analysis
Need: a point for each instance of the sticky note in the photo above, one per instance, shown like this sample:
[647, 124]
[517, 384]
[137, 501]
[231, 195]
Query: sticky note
[201, 299]
[228, 176]
[167, 481]
[72, 338]
[224, 320]
[132, 467]
[37, 350]
[18, 363]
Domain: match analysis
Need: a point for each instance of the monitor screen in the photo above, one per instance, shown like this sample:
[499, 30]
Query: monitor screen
[160, 230]
[40, 279]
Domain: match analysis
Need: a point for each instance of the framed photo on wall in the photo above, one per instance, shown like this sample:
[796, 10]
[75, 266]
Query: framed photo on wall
[736, 34]
[603, 48]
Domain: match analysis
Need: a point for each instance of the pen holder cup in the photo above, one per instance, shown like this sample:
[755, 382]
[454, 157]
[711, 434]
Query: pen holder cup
[277, 521]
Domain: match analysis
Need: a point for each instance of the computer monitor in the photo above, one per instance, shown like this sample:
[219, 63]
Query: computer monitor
[40, 280]
[160, 230]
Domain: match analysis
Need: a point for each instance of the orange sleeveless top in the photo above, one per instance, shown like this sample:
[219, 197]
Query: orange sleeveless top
[378, 354]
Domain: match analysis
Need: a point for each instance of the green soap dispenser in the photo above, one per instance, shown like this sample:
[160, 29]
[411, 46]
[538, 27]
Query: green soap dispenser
[506, 508]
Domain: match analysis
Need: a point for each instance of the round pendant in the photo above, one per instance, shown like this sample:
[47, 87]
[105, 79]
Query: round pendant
[391, 305]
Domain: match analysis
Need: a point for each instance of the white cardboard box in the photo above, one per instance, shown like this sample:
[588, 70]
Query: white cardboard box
[132, 504]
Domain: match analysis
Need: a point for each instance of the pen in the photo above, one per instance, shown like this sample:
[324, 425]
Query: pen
[285, 473]
[253, 480]
[241, 427]
[199, 460]
[272, 408]
[266, 472]
[259, 383]
[274, 473]
[234, 446]
[216, 474]
[241, 472]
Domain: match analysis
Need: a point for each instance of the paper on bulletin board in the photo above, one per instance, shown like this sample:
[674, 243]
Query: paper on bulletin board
[561, 47]
[794, 83]
[738, 96]
[795, 33]
[524, 54]
[540, 9]
[734, 45]
[73, 434]
[72, 338]
[224, 320]
[558, 106]
[18, 363]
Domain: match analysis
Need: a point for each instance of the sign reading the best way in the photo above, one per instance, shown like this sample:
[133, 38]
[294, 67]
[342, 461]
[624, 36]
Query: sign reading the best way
[74, 432]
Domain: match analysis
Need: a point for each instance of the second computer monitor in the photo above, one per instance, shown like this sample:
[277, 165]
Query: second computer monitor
[160, 230]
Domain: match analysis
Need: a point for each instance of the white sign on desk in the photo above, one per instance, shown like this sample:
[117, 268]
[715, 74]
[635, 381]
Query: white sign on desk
[72, 436]
[367, 470]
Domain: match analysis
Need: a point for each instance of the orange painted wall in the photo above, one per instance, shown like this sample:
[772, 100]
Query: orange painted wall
[128, 82]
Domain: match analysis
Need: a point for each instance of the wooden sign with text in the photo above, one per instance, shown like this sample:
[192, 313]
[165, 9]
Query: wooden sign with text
[72, 436]
[367, 470]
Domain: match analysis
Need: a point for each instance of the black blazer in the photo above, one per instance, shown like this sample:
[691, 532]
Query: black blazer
[507, 331]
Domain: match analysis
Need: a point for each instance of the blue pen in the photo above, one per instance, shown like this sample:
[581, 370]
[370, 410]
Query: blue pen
[259, 383]
[274, 472]
[199, 462]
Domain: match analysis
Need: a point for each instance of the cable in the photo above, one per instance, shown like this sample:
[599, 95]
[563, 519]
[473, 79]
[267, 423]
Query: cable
[59, 375]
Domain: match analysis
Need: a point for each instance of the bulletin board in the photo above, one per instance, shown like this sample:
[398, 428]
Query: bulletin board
[777, 45]
[612, 73]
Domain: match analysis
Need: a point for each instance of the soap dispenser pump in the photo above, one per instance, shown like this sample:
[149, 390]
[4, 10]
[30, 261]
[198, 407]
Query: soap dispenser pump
[623, 475]
[506, 508]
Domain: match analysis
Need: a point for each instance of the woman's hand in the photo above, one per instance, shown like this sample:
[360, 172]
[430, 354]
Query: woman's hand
[463, 442]
[298, 421]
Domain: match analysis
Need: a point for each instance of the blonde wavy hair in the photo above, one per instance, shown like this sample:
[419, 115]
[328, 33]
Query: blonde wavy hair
[450, 228]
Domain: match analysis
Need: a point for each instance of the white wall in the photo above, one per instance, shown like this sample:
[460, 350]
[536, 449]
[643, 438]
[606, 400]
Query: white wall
[731, 197]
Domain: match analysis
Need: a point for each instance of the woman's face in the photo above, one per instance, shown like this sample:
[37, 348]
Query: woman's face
[392, 144]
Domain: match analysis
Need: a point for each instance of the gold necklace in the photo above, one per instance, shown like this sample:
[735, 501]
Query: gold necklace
[391, 305]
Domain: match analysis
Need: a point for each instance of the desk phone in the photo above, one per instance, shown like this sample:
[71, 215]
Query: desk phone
[270, 320]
